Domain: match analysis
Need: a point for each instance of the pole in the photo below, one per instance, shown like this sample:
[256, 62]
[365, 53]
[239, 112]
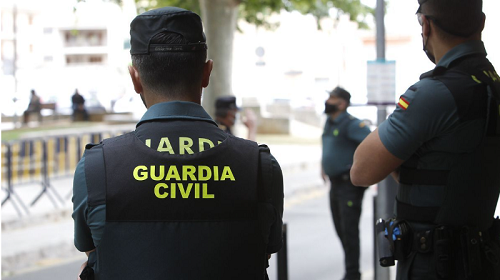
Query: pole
[388, 187]
[14, 29]
[283, 258]
[379, 16]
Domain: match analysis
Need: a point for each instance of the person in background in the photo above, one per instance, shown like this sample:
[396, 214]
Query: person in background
[35, 106]
[226, 112]
[341, 136]
[78, 105]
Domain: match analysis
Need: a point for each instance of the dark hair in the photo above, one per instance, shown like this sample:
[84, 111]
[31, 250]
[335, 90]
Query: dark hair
[171, 73]
[460, 18]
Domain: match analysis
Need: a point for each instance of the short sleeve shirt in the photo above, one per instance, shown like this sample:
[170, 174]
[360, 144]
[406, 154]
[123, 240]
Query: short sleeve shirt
[341, 136]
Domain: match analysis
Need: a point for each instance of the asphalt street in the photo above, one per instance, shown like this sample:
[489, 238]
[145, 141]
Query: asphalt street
[314, 249]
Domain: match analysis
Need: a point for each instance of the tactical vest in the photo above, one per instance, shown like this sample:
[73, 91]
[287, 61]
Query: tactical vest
[190, 216]
[472, 184]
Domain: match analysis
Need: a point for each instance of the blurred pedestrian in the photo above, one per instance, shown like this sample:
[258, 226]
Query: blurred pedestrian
[35, 106]
[78, 105]
[442, 143]
[226, 112]
[341, 136]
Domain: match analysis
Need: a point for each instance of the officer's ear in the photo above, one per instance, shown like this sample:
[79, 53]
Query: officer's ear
[136, 79]
[483, 22]
[207, 70]
[426, 26]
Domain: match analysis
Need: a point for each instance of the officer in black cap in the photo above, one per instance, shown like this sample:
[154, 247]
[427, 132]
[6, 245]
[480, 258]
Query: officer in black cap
[341, 135]
[442, 143]
[178, 198]
[225, 112]
[225, 116]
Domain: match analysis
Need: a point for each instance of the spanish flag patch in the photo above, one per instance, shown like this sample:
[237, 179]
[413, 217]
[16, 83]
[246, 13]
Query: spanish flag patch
[403, 103]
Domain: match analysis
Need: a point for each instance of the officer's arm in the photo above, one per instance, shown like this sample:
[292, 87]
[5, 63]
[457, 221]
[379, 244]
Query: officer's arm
[276, 233]
[83, 236]
[372, 162]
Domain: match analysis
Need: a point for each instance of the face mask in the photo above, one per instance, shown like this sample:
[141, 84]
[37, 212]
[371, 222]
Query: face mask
[331, 108]
[427, 52]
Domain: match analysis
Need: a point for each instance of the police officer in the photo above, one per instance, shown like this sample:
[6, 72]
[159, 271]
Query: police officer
[225, 115]
[178, 198]
[341, 135]
[442, 144]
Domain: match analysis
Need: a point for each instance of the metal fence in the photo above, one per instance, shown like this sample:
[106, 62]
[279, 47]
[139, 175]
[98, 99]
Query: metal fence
[38, 160]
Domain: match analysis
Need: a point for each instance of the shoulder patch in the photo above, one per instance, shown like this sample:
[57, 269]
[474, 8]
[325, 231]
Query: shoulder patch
[403, 103]
[362, 124]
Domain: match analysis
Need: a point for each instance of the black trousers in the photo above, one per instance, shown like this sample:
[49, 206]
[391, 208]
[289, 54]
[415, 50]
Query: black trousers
[345, 204]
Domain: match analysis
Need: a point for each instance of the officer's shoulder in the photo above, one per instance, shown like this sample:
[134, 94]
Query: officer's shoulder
[426, 89]
[106, 141]
[355, 122]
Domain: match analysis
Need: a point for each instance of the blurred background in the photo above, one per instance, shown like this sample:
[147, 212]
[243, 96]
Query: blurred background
[278, 57]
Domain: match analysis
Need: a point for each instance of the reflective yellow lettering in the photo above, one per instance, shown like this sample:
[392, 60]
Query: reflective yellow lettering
[185, 193]
[486, 73]
[157, 190]
[216, 173]
[202, 142]
[188, 170]
[185, 144]
[201, 170]
[140, 176]
[173, 173]
[165, 146]
[227, 174]
[218, 142]
[172, 190]
[493, 76]
[148, 143]
[197, 190]
[205, 192]
[152, 171]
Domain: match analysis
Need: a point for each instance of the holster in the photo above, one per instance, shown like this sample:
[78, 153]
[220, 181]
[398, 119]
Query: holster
[87, 273]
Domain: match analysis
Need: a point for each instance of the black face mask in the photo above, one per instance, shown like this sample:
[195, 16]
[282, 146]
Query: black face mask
[331, 108]
[427, 52]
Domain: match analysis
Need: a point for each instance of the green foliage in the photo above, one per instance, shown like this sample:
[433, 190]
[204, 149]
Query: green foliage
[192, 5]
[258, 12]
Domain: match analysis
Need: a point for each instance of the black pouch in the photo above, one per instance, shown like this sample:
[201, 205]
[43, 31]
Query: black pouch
[443, 251]
[87, 273]
[471, 247]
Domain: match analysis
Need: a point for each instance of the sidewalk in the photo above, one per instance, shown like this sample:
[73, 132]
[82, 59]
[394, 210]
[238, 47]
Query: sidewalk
[46, 235]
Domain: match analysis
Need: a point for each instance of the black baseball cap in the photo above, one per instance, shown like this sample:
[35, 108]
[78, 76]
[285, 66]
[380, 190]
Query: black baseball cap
[420, 3]
[226, 102]
[171, 19]
[340, 92]
[460, 18]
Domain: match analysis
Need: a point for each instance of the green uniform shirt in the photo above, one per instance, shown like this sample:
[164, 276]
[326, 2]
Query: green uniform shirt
[341, 137]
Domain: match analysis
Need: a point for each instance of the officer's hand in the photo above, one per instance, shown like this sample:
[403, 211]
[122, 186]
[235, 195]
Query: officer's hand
[323, 176]
[81, 269]
[250, 121]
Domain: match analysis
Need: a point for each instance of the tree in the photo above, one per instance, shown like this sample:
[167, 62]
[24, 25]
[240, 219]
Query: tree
[220, 21]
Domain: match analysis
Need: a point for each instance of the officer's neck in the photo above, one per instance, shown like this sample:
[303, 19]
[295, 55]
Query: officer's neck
[151, 99]
[336, 114]
[441, 45]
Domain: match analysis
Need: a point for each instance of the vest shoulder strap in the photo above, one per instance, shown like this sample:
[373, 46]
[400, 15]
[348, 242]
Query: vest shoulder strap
[95, 175]
[265, 174]
[95, 170]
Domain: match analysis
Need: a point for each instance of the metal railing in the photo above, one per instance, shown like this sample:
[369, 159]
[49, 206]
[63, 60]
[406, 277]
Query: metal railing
[39, 160]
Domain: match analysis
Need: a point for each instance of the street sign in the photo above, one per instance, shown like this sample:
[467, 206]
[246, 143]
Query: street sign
[381, 82]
